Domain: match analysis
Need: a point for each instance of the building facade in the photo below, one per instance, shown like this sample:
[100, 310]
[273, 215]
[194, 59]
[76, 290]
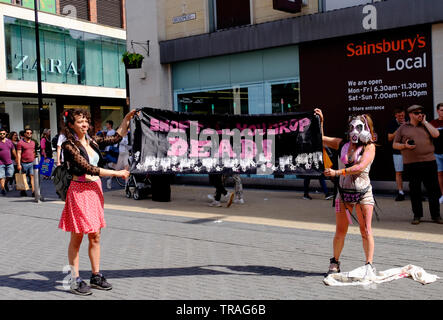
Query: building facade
[81, 63]
[344, 56]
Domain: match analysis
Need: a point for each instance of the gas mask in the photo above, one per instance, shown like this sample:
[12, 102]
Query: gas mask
[358, 131]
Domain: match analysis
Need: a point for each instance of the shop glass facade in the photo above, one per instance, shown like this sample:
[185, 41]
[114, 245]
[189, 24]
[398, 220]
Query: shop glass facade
[223, 101]
[68, 56]
[114, 113]
[31, 119]
[259, 82]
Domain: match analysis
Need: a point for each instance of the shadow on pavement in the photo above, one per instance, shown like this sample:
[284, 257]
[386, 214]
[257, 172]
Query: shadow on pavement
[48, 281]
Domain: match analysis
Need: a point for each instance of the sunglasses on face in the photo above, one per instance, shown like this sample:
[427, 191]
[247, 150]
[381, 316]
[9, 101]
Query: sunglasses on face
[2, 133]
[418, 112]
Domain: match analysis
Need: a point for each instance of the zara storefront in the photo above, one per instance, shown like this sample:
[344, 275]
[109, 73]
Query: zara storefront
[80, 63]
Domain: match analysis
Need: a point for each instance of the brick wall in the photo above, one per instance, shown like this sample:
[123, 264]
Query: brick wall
[93, 11]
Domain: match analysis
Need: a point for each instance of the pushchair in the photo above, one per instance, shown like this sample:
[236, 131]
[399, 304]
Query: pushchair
[138, 186]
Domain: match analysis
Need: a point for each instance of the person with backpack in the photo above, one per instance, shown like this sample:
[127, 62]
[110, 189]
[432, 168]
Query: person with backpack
[83, 212]
[356, 154]
[45, 144]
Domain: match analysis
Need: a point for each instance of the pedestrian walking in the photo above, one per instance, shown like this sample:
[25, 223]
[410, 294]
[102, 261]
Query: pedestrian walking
[238, 188]
[399, 119]
[322, 181]
[7, 150]
[356, 154]
[26, 153]
[84, 208]
[60, 159]
[110, 152]
[13, 136]
[45, 144]
[217, 180]
[438, 144]
[414, 140]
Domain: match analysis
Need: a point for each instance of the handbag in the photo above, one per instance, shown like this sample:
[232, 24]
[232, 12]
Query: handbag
[352, 195]
[46, 165]
[61, 179]
[21, 182]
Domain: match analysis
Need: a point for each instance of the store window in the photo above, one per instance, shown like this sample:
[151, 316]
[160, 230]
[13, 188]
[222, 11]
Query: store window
[339, 4]
[224, 101]
[67, 56]
[32, 120]
[4, 118]
[232, 13]
[285, 97]
[72, 106]
[43, 5]
[109, 13]
[114, 113]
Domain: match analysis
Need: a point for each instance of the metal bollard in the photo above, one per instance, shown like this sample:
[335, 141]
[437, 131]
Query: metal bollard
[37, 180]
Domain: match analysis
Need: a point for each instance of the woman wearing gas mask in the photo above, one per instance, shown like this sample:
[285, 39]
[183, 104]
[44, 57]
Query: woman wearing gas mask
[356, 154]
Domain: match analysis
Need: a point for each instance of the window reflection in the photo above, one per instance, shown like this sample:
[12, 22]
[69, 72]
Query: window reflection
[285, 97]
[226, 101]
[68, 56]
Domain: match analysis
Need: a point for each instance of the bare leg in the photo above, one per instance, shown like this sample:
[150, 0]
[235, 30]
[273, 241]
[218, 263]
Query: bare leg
[364, 216]
[341, 229]
[32, 182]
[73, 252]
[94, 251]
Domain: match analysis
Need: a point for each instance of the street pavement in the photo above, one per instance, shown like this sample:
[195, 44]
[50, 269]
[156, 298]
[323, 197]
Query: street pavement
[276, 246]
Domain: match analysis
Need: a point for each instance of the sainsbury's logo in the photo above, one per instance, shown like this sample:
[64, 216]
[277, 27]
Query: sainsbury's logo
[386, 46]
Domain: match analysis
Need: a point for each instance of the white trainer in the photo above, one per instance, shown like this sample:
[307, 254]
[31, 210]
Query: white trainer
[215, 203]
[239, 201]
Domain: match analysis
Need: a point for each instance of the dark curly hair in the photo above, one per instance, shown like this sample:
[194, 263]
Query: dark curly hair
[69, 118]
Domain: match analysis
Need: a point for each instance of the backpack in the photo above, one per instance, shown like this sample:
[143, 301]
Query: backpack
[54, 142]
[61, 179]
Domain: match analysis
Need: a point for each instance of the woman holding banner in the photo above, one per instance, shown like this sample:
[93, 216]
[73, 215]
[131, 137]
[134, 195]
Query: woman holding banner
[356, 154]
[84, 208]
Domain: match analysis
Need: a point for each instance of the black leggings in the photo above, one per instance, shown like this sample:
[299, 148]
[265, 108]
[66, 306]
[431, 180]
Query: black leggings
[217, 180]
[426, 173]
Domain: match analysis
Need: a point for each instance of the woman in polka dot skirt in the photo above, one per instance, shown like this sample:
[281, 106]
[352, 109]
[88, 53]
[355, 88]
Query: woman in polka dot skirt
[84, 208]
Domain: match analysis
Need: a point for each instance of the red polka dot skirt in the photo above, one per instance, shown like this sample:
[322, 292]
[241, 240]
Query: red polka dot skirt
[84, 208]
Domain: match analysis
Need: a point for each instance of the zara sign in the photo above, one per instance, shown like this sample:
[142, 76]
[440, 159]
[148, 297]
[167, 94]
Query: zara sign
[53, 65]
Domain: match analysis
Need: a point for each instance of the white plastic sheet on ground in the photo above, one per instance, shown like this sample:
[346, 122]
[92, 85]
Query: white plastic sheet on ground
[365, 276]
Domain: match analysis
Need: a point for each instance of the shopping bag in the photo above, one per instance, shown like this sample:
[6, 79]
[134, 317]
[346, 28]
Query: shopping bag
[45, 166]
[21, 182]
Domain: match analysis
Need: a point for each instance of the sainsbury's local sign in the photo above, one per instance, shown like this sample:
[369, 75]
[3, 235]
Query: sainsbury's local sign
[51, 65]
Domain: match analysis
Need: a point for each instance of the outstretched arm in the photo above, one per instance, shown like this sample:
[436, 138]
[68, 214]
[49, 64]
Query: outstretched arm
[330, 142]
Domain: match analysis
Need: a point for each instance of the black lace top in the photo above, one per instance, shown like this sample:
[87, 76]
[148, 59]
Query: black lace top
[77, 157]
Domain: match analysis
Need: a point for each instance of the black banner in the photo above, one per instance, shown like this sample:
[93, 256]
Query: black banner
[176, 142]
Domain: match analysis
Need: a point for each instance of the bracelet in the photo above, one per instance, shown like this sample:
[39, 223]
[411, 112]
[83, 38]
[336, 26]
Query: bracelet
[343, 172]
